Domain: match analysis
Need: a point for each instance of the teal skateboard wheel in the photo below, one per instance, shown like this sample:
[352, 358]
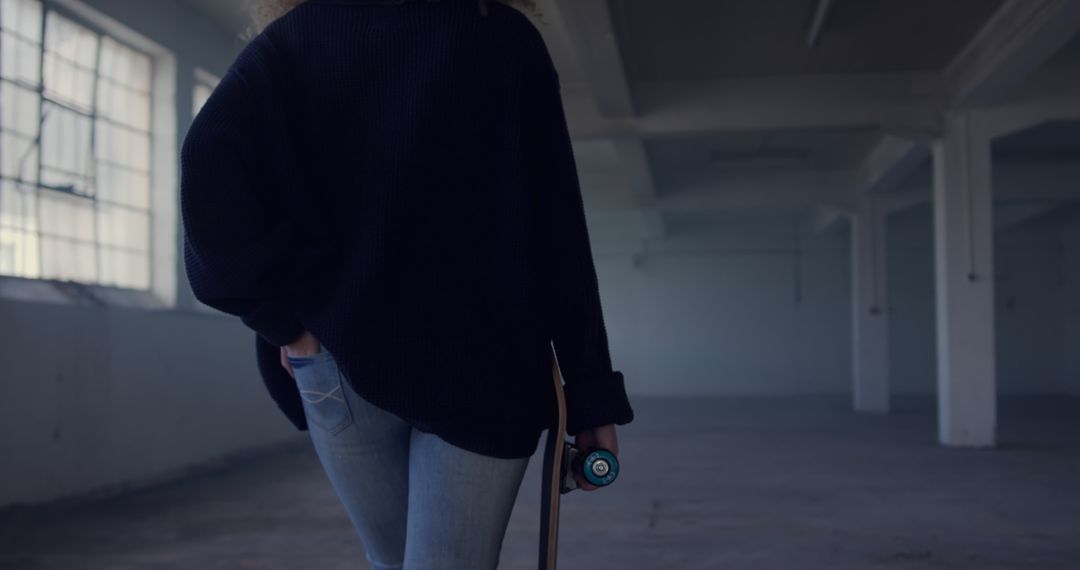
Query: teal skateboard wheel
[600, 467]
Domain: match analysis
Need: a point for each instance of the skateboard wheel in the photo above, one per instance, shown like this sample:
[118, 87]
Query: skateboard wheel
[600, 467]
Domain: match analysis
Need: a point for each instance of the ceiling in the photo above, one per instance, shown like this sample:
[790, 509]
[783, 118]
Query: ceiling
[676, 159]
[702, 40]
[228, 14]
[709, 39]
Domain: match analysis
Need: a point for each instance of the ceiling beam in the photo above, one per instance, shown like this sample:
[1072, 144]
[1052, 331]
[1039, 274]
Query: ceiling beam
[831, 189]
[789, 189]
[902, 103]
[764, 198]
[889, 163]
[1037, 180]
[908, 199]
[824, 220]
[817, 22]
[1014, 214]
[1047, 96]
[230, 16]
[592, 35]
[1015, 181]
[1013, 43]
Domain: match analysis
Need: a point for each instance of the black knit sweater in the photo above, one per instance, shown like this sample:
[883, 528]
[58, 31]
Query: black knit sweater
[399, 181]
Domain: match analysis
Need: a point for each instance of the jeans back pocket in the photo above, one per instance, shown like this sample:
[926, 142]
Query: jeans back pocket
[322, 389]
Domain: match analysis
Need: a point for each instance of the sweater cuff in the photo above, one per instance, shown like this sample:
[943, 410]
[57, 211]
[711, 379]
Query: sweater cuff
[594, 404]
[275, 322]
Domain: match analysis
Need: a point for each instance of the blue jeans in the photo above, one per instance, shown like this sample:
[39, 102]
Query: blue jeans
[396, 481]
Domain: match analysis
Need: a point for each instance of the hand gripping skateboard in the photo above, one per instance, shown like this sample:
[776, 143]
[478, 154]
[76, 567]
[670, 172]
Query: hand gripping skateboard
[561, 460]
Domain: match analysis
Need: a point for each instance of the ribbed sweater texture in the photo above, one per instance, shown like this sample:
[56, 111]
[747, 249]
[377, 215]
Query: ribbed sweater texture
[399, 181]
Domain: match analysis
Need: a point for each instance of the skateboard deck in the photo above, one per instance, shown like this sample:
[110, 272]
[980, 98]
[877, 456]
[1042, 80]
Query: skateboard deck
[553, 474]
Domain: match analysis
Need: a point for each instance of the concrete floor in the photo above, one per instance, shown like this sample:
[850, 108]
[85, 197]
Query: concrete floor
[705, 484]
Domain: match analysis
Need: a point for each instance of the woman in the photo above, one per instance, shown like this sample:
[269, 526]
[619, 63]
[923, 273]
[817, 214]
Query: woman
[385, 193]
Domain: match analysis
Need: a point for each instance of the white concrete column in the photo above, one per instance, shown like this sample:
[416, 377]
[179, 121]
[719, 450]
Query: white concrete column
[964, 280]
[870, 315]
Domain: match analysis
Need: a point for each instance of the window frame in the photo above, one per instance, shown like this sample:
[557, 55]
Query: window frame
[161, 248]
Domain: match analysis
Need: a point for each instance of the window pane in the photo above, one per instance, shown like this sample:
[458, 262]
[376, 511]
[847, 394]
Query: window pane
[117, 184]
[139, 158]
[68, 260]
[122, 146]
[111, 99]
[65, 182]
[68, 83]
[123, 227]
[66, 150]
[18, 110]
[20, 60]
[23, 17]
[67, 216]
[138, 115]
[111, 143]
[202, 94]
[17, 207]
[19, 254]
[125, 268]
[123, 105]
[70, 41]
[114, 65]
[18, 157]
[125, 66]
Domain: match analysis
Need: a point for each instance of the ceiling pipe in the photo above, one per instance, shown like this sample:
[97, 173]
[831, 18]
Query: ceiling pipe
[817, 25]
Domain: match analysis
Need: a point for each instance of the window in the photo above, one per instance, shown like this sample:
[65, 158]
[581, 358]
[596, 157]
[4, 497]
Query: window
[205, 83]
[75, 151]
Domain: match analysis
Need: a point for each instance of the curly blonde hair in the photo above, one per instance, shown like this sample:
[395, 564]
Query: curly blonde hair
[263, 12]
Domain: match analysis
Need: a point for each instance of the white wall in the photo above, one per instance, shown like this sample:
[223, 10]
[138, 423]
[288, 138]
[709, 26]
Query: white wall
[1028, 288]
[740, 309]
[755, 307]
[96, 396]
[1030, 319]
[913, 349]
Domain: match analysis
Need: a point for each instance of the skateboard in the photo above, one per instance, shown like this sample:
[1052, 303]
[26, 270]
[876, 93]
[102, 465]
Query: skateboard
[561, 460]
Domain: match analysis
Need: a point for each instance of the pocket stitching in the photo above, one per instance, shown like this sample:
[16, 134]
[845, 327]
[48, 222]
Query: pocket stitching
[337, 388]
